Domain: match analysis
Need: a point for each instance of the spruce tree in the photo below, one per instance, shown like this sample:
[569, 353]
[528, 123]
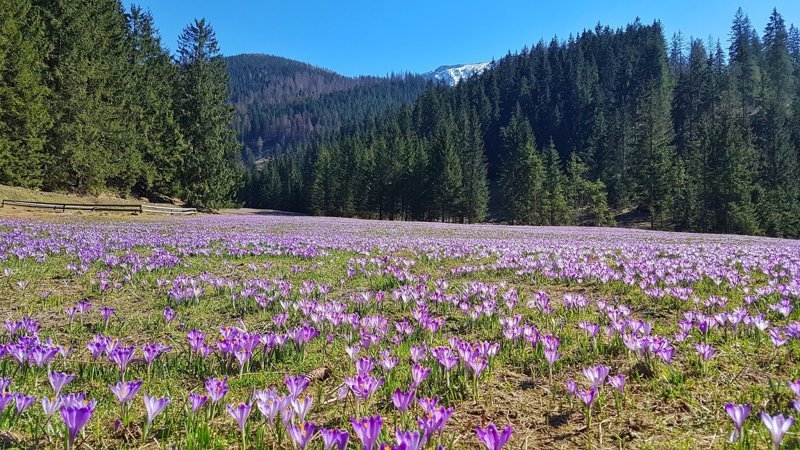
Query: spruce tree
[476, 189]
[522, 174]
[447, 175]
[323, 184]
[24, 118]
[731, 167]
[91, 143]
[743, 55]
[157, 135]
[556, 210]
[208, 175]
[654, 154]
[781, 210]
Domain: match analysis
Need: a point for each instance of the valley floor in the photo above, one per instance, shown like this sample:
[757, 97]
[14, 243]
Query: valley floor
[503, 325]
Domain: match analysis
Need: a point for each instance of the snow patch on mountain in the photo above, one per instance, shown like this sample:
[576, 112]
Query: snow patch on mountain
[453, 74]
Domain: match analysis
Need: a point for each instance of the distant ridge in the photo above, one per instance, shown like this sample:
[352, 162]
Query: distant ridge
[281, 103]
[453, 74]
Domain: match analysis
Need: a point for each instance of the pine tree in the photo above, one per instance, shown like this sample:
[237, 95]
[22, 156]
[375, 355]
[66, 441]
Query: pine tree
[476, 189]
[731, 164]
[781, 212]
[90, 144]
[556, 210]
[522, 174]
[208, 175]
[417, 180]
[323, 187]
[272, 187]
[583, 194]
[24, 118]
[743, 54]
[653, 150]
[157, 134]
[446, 167]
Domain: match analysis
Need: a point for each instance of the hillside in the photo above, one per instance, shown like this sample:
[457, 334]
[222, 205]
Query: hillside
[280, 103]
[688, 135]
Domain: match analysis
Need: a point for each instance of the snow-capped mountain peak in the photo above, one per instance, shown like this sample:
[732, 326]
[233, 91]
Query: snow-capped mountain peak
[455, 73]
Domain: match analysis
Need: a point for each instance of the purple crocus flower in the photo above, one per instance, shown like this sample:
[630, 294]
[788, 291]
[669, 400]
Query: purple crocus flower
[302, 434]
[794, 386]
[301, 408]
[477, 363]
[363, 386]
[5, 399]
[402, 399]
[409, 440]
[217, 388]
[154, 406]
[705, 351]
[428, 404]
[492, 439]
[777, 426]
[587, 396]
[169, 315]
[434, 420]
[12, 326]
[334, 439]
[196, 401]
[50, 406]
[71, 311]
[446, 357]
[23, 402]
[84, 306]
[107, 312]
[196, 339]
[364, 365]
[388, 363]
[738, 414]
[76, 400]
[59, 380]
[75, 417]
[572, 387]
[617, 382]
[367, 430]
[296, 385]
[552, 355]
[4, 383]
[240, 413]
[126, 391]
[419, 374]
[287, 416]
[122, 356]
[596, 375]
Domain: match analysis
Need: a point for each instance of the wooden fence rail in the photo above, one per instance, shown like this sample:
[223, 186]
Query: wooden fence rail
[156, 209]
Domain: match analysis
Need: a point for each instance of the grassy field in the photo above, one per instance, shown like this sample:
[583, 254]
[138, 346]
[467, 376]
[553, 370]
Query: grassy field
[30, 195]
[517, 327]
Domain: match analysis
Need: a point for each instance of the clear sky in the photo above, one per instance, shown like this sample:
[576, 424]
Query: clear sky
[375, 37]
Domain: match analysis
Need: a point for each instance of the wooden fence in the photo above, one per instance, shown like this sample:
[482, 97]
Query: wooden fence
[144, 208]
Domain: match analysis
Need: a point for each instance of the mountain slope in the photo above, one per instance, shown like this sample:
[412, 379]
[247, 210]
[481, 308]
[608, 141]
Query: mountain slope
[453, 74]
[281, 103]
[567, 131]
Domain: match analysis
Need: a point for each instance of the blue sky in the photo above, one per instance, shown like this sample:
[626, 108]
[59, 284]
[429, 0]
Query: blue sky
[381, 36]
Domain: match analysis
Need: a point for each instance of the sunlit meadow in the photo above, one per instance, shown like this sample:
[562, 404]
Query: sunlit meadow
[313, 333]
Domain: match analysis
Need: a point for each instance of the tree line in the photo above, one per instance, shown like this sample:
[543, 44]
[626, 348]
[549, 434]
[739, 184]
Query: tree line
[91, 101]
[684, 135]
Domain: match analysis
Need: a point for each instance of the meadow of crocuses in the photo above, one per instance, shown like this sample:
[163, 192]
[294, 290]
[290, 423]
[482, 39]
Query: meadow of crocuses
[317, 333]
